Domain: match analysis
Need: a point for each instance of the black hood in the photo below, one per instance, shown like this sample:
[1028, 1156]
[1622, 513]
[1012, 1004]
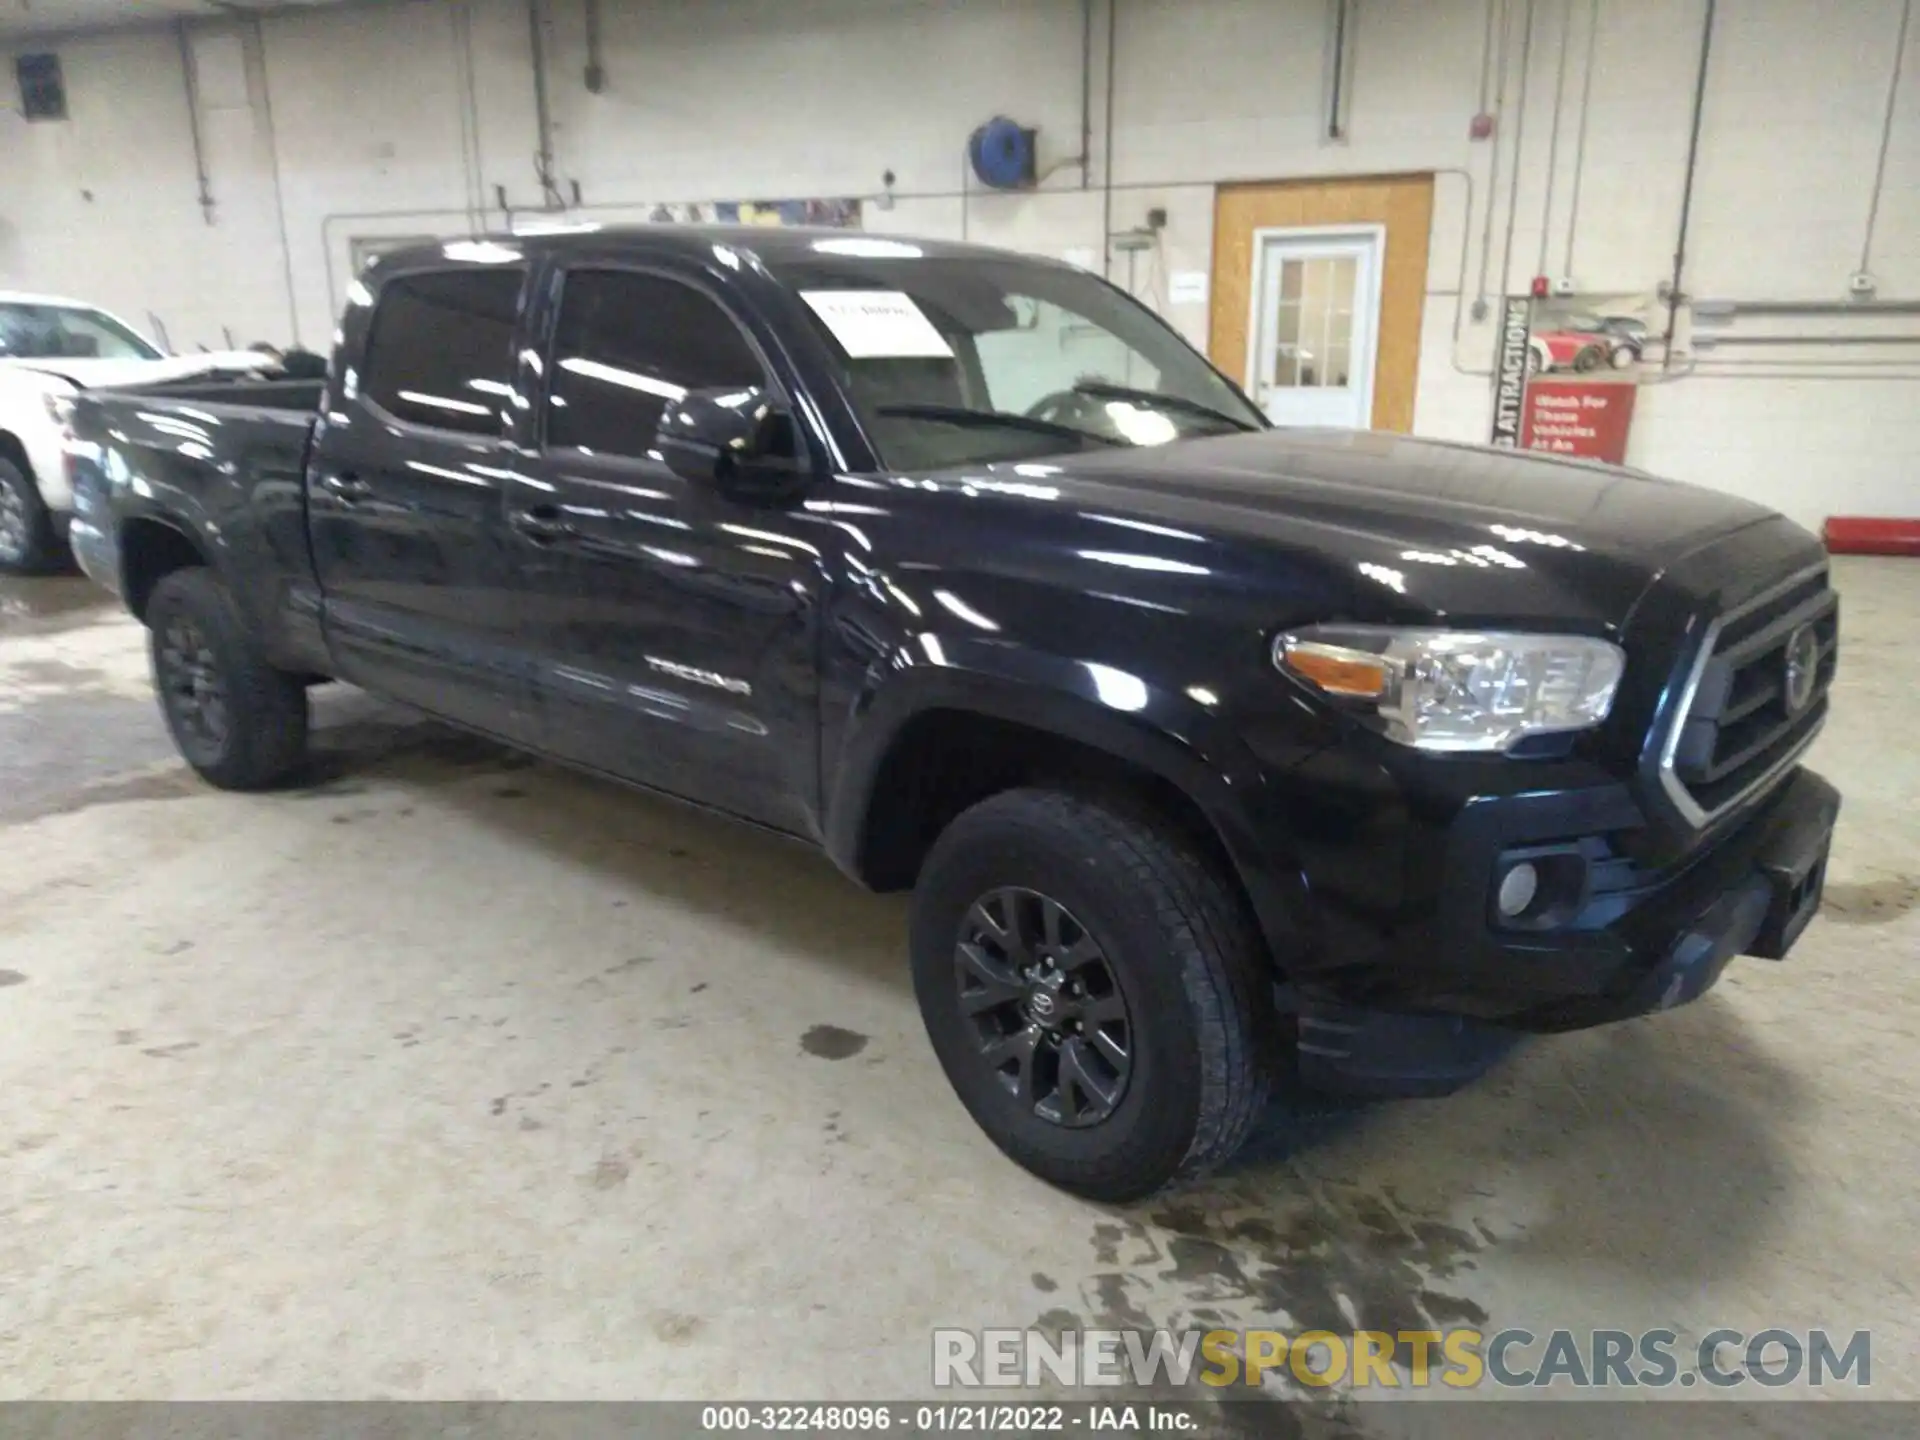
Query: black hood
[1412, 526]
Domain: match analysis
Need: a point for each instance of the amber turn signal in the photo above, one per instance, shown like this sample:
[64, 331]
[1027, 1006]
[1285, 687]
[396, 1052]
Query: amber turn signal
[1337, 669]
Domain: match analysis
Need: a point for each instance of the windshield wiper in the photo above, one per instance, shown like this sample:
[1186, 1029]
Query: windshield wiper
[993, 419]
[1100, 389]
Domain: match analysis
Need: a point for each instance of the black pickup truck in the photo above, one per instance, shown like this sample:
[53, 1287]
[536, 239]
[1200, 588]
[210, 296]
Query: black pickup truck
[1206, 748]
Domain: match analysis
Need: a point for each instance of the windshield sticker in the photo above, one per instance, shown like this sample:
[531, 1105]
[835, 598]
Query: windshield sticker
[878, 324]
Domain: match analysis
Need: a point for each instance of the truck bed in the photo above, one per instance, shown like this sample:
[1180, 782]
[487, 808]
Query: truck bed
[232, 452]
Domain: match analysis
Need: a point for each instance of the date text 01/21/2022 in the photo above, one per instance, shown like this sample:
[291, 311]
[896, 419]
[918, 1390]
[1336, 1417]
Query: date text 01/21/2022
[948, 1418]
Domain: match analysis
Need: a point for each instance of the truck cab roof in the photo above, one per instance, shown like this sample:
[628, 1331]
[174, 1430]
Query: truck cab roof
[773, 243]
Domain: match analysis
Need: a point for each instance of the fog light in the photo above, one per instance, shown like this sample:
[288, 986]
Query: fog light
[1518, 887]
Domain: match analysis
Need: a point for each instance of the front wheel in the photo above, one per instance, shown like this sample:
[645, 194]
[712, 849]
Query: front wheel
[1095, 991]
[28, 544]
[235, 718]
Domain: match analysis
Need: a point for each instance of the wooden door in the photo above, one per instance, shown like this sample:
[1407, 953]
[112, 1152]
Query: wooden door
[1248, 217]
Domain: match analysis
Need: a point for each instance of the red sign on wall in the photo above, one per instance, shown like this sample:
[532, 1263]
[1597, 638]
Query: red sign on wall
[1585, 418]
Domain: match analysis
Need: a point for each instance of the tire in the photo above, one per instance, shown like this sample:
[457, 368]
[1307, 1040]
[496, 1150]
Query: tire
[1181, 952]
[28, 544]
[201, 651]
[1589, 359]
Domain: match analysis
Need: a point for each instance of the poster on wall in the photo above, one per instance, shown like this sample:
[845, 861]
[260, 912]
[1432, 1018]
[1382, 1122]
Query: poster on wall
[1567, 372]
[841, 214]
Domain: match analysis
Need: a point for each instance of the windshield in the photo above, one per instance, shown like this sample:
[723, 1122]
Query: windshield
[66, 332]
[964, 360]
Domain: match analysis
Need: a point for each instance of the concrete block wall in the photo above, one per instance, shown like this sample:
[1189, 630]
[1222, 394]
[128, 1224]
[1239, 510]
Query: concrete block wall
[403, 119]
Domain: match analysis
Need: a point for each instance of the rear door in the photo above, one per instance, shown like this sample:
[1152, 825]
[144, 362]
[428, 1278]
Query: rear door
[407, 502]
[676, 621]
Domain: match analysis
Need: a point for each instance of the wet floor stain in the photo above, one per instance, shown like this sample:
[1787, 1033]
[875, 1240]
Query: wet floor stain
[59, 673]
[170, 784]
[38, 605]
[609, 1174]
[11, 977]
[676, 1329]
[1293, 1253]
[1871, 902]
[830, 1042]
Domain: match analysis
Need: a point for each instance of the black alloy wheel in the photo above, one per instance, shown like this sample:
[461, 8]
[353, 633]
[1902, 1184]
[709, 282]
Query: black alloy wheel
[235, 718]
[190, 683]
[1046, 1007]
[1098, 994]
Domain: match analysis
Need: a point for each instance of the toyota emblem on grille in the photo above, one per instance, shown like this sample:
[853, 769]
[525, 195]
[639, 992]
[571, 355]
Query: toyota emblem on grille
[1802, 668]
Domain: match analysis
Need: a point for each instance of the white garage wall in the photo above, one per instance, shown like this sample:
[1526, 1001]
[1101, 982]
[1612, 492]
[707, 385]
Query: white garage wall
[403, 120]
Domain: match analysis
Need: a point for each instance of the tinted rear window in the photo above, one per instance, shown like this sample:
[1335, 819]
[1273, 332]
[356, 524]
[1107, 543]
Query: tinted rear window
[441, 350]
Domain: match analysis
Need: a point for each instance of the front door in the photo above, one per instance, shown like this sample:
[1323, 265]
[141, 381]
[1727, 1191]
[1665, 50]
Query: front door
[676, 622]
[1316, 325]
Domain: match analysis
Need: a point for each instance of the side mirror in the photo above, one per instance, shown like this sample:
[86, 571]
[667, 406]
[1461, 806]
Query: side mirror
[730, 436]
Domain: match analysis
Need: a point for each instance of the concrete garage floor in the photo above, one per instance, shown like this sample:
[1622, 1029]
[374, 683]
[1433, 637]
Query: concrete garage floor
[457, 1076]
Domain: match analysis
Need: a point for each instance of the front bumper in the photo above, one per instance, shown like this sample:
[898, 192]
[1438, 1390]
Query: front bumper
[1751, 891]
[90, 531]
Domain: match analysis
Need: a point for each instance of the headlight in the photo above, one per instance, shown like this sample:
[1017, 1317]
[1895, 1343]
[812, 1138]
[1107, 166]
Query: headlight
[1459, 689]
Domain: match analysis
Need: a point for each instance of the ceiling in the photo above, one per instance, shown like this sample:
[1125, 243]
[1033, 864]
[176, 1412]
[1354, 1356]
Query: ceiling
[22, 18]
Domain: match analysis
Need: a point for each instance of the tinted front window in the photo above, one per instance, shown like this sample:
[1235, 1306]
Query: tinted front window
[65, 332]
[628, 344]
[956, 360]
[441, 351]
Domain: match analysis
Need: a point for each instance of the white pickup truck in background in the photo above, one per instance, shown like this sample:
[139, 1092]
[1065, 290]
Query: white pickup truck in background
[50, 349]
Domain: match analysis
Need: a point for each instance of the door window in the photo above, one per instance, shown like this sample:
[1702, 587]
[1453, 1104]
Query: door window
[629, 344]
[1313, 333]
[441, 348]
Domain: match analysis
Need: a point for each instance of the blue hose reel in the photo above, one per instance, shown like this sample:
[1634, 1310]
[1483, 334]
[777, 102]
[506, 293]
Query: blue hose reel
[1002, 152]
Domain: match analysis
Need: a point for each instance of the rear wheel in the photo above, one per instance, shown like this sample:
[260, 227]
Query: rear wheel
[1095, 992]
[28, 544]
[235, 718]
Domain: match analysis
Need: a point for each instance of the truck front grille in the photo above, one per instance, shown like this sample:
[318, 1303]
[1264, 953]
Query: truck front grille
[1755, 697]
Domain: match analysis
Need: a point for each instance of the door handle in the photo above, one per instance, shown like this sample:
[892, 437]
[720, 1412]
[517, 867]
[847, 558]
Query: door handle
[541, 524]
[346, 488]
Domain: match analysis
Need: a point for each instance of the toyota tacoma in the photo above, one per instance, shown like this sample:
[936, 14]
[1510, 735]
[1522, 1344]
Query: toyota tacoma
[1205, 748]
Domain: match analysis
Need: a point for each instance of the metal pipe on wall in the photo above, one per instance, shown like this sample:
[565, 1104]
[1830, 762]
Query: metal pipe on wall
[1715, 342]
[190, 80]
[279, 191]
[1106, 145]
[1553, 137]
[1499, 113]
[1686, 190]
[1886, 137]
[1519, 149]
[551, 197]
[1337, 81]
[594, 77]
[1704, 308]
[1086, 94]
[1580, 136]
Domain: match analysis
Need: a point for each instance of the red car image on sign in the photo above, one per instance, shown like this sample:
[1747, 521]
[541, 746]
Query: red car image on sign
[1585, 343]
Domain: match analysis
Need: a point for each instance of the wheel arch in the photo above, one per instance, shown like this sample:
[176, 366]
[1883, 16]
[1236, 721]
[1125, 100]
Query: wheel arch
[932, 744]
[150, 550]
[14, 450]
